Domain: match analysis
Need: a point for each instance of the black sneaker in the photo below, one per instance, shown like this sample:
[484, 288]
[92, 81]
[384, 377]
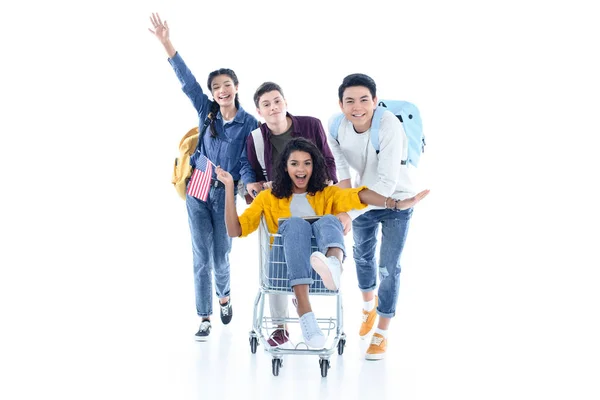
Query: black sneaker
[226, 312]
[204, 331]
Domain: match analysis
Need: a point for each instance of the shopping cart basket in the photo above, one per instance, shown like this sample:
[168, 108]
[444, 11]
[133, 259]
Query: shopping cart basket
[273, 280]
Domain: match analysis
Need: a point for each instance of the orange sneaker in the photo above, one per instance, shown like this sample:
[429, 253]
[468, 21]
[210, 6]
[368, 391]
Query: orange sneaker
[368, 320]
[376, 350]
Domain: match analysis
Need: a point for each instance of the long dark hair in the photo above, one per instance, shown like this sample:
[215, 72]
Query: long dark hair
[214, 106]
[282, 183]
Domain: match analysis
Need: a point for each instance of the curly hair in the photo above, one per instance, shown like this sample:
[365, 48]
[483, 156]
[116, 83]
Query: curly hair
[282, 183]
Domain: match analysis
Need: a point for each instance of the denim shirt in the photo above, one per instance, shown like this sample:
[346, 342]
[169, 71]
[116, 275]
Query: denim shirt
[228, 148]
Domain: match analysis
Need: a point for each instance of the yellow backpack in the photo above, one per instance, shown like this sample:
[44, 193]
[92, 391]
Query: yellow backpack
[182, 170]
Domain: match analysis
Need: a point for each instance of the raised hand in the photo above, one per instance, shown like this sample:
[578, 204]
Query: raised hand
[161, 29]
[412, 201]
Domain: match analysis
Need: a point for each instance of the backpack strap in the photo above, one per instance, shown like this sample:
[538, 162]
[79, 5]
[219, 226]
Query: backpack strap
[334, 125]
[203, 130]
[377, 116]
[376, 122]
[259, 147]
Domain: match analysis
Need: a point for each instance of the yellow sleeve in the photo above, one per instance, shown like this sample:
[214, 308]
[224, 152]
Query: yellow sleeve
[345, 200]
[250, 218]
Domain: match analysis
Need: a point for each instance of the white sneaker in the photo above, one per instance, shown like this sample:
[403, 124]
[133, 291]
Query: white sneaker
[328, 268]
[313, 336]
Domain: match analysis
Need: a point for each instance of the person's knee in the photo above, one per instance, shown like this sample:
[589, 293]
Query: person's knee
[297, 223]
[329, 219]
[330, 222]
[365, 253]
[385, 271]
[201, 259]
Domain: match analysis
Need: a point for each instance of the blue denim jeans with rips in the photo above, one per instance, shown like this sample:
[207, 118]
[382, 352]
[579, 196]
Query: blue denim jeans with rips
[394, 228]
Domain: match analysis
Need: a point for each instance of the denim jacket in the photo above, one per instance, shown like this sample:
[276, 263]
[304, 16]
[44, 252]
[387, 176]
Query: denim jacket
[228, 148]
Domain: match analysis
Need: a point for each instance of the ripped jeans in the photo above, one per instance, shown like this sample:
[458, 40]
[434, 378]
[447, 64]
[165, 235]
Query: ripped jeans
[394, 228]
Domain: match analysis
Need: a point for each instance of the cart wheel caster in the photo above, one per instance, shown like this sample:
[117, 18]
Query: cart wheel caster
[341, 345]
[253, 344]
[324, 367]
[276, 363]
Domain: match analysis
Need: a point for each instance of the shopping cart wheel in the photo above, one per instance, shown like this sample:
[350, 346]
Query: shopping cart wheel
[341, 345]
[324, 367]
[253, 344]
[276, 362]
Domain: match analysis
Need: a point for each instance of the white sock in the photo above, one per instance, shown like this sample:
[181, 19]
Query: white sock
[369, 305]
[382, 332]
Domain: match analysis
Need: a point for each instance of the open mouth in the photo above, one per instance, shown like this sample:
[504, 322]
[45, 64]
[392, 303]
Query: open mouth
[224, 97]
[359, 115]
[300, 179]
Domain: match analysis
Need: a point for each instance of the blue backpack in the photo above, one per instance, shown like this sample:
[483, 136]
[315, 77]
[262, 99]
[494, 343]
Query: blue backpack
[409, 116]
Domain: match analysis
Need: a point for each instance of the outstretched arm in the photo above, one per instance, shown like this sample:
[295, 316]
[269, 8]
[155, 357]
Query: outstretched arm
[161, 31]
[189, 84]
[234, 229]
[368, 196]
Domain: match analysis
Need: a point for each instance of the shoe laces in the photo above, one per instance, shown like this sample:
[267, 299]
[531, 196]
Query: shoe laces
[336, 261]
[365, 317]
[309, 328]
[205, 325]
[225, 309]
[376, 340]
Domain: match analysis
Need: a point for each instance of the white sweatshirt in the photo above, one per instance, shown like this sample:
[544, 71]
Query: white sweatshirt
[383, 172]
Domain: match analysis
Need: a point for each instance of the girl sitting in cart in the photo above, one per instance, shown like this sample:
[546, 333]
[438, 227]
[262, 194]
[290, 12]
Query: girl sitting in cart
[300, 190]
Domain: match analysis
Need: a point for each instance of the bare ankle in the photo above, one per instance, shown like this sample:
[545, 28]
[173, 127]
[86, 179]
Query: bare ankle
[303, 310]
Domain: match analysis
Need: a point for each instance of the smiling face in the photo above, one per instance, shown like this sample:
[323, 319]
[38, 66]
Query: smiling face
[358, 106]
[299, 167]
[223, 90]
[272, 107]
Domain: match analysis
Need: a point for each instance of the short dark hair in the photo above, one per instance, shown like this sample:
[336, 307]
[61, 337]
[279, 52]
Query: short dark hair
[358, 80]
[266, 87]
[282, 183]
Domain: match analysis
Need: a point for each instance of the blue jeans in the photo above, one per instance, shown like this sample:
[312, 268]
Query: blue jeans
[393, 235]
[210, 248]
[297, 234]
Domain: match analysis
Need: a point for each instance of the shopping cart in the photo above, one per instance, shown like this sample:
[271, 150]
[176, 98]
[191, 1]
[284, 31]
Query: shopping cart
[273, 280]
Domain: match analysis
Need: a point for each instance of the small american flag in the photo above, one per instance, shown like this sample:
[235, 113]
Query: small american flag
[199, 185]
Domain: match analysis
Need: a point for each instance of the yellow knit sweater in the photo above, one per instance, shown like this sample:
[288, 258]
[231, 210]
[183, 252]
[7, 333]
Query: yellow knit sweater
[331, 200]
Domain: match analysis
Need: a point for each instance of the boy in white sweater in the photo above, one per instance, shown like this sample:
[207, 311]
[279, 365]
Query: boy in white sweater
[386, 174]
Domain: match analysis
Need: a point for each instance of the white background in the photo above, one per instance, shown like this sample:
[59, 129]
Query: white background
[500, 273]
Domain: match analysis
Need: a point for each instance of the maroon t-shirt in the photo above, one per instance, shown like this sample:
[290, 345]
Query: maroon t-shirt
[306, 127]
